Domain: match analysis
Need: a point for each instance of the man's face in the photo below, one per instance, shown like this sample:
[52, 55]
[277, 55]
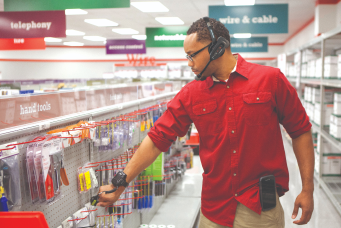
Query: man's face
[191, 45]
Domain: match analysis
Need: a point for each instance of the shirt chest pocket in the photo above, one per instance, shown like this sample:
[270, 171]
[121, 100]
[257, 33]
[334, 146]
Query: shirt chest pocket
[257, 108]
[207, 117]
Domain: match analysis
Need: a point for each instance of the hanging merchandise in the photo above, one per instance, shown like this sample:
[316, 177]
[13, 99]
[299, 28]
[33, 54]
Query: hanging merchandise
[47, 168]
[67, 223]
[10, 191]
[31, 173]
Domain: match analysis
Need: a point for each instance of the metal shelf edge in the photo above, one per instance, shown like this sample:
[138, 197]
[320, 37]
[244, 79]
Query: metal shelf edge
[34, 127]
[330, 195]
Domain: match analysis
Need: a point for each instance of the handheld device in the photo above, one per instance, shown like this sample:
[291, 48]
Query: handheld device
[216, 48]
[267, 192]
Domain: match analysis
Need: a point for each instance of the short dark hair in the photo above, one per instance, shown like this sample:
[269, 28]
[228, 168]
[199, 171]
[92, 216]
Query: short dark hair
[200, 27]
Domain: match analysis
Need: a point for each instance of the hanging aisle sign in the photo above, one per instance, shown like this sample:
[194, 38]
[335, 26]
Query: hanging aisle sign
[22, 44]
[173, 36]
[126, 46]
[254, 44]
[256, 19]
[32, 24]
[40, 5]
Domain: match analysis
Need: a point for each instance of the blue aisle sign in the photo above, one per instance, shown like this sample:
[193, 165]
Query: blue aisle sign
[253, 44]
[256, 19]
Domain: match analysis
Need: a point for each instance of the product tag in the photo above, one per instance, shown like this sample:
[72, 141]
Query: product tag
[143, 125]
[81, 181]
[94, 178]
[47, 169]
[87, 180]
[148, 124]
[7, 153]
[44, 126]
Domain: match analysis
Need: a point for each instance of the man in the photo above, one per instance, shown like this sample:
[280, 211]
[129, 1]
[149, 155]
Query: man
[237, 110]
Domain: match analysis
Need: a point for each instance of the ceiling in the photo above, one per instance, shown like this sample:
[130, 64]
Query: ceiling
[300, 11]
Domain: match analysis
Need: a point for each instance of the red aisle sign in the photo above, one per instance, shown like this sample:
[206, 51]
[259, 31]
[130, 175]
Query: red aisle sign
[22, 44]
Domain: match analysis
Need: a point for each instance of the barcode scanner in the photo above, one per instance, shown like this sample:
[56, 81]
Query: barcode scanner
[216, 48]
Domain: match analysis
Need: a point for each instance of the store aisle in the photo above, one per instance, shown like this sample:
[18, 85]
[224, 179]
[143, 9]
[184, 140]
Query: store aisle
[324, 214]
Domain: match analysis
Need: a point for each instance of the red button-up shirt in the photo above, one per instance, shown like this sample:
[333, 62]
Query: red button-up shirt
[240, 139]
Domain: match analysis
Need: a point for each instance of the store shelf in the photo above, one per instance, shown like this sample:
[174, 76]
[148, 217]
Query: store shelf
[311, 81]
[326, 136]
[292, 79]
[332, 83]
[332, 187]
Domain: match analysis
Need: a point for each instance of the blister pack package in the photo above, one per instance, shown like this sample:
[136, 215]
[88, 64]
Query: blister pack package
[31, 173]
[10, 176]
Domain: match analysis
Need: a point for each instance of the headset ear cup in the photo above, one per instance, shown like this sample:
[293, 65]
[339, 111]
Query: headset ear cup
[210, 48]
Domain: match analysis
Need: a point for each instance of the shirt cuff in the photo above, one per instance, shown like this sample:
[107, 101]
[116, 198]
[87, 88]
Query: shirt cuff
[161, 143]
[296, 134]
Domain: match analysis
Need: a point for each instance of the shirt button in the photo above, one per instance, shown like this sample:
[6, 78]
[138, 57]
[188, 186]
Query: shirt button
[232, 132]
[234, 174]
[235, 194]
[234, 151]
[228, 87]
[204, 109]
[230, 108]
[257, 98]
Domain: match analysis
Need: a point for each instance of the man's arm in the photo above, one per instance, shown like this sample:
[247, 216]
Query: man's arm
[144, 157]
[304, 151]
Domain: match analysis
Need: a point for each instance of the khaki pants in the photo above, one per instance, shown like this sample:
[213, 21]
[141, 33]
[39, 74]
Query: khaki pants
[246, 218]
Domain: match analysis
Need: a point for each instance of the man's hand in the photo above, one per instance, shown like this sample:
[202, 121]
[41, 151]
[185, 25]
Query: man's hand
[106, 200]
[305, 201]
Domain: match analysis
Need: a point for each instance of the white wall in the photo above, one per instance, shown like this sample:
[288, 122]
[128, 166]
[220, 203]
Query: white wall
[300, 39]
[55, 70]
[325, 18]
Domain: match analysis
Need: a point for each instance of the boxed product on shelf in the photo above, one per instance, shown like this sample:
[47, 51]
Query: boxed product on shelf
[339, 70]
[317, 162]
[310, 110]
[326, 147]
[318, 68]
[304, 73]
[311, 68]
[308, 93]
[327, 109]
[330, 70]
[331, 59]
[335, 126]
[337, 104]
[331, 166]
[328, 95]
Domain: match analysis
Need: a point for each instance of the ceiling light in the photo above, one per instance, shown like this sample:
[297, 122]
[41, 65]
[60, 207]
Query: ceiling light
[95, 38]
[169, 20]
[73, 44]
[71, 32]
[51, 40]
[242, 35]
[150, 6]
[75, 12]
[101, 22]
[239, 2]
[125, 31]
[139, 37]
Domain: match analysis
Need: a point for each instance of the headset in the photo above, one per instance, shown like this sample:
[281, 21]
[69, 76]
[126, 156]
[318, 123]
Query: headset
[216, 48]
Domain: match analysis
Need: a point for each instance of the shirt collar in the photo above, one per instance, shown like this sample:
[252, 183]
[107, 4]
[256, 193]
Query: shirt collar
[240, 68]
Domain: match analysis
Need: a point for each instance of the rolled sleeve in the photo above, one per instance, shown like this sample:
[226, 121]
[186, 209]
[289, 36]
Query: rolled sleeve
[290, 111]
[173, 123]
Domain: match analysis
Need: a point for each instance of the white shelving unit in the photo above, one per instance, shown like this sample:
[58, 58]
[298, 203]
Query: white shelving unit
[327, 44]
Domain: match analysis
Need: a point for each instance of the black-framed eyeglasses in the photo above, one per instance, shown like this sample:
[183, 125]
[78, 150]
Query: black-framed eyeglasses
[190, 57]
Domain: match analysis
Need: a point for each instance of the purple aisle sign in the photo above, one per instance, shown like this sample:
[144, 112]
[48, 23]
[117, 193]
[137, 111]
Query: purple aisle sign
[33, 24]
[126, 47]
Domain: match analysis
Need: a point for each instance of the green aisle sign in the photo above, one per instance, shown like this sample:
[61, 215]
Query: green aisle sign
[172, 36]
[41, 5]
